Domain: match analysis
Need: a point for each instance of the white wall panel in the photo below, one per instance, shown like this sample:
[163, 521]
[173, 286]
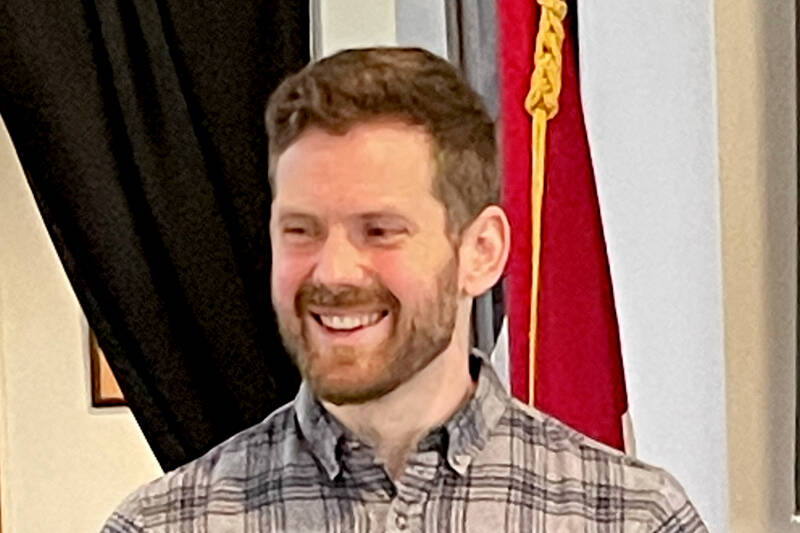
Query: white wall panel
[649, 93]
[355, 23]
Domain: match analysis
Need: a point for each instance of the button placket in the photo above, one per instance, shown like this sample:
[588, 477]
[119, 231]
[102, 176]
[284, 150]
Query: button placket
[412, 490]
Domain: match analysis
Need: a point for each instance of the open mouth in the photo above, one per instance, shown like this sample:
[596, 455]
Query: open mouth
[348, 323]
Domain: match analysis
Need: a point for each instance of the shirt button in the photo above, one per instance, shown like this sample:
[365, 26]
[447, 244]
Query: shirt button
[400, 521]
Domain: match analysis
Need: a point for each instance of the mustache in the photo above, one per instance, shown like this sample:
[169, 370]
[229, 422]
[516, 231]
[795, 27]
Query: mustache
[343, 296]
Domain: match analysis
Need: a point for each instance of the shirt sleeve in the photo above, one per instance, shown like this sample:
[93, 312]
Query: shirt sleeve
[680, 515]
[685, 520]
[118, 523]
[125, 519]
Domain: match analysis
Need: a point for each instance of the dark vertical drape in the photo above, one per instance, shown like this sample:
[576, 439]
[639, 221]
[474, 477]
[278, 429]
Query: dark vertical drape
[139, 125]
[472, 46]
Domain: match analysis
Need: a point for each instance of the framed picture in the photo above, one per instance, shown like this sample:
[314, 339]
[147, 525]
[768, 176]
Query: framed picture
[105, 390]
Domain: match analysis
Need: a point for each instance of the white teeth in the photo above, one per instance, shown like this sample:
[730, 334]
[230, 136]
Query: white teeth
[349, 321]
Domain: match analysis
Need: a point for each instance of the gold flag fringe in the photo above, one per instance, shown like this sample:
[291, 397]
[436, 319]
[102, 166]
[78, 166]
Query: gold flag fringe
[542, 104]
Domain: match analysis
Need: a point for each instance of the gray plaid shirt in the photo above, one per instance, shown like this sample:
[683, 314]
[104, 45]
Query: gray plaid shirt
[496, 466]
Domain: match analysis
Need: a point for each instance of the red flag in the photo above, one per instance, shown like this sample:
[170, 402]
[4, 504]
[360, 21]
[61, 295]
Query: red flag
[578, 364]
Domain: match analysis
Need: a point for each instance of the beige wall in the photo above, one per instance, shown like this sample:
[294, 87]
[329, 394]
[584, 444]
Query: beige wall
[63, 465]
[758, 168]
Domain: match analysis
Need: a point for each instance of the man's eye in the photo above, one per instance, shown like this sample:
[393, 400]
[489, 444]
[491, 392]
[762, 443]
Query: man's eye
[295, 230]
[382, 232]
[298, 233]
[376, 232]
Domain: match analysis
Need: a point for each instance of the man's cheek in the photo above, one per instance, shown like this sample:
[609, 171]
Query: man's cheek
[286, 280]
[400, 277]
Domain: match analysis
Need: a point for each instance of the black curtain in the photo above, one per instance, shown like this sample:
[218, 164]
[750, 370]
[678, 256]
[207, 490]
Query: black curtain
[139, 124]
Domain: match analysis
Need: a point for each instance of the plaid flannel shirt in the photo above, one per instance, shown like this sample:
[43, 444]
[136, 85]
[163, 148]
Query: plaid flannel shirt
[496, 466]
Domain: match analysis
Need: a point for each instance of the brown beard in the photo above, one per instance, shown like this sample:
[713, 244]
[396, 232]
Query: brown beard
[416, 337]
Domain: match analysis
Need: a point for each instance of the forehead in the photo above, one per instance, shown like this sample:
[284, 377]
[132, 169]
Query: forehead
[381, 162]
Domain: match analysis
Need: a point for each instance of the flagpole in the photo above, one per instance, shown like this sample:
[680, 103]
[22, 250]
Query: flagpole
[542, 104]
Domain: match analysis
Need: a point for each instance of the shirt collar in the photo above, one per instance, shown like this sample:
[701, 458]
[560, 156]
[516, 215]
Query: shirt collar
[319, 429]
[469, 428]
[465, 433]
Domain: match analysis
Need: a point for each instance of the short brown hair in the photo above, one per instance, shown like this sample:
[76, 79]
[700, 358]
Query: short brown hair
[410, 84]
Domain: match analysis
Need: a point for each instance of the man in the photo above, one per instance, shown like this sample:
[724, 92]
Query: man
[384, 227]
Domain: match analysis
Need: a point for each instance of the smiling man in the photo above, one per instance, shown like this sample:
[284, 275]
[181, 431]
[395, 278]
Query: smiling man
[385, 225]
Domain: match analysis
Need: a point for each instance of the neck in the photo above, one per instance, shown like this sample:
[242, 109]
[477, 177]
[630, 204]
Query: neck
[394, 423]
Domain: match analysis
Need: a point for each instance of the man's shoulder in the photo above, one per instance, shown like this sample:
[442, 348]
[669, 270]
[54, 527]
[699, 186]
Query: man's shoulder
[569, 465]
[227, 460]
[227, 466]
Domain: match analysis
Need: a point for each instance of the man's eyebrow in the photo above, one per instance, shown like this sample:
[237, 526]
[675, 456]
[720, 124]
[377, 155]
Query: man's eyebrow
[291, 214]
[390, 216]
[286, 214]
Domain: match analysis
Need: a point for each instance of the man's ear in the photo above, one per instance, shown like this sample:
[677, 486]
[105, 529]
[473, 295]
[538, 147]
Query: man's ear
[484, 249]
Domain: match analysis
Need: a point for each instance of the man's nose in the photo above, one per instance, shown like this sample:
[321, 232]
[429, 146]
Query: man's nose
[339, 261]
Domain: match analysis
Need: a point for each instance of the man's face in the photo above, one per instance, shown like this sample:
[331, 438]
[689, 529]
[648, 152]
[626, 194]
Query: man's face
[364, 278]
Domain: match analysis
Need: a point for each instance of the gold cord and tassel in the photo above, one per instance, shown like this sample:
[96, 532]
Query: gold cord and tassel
[542, 104]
